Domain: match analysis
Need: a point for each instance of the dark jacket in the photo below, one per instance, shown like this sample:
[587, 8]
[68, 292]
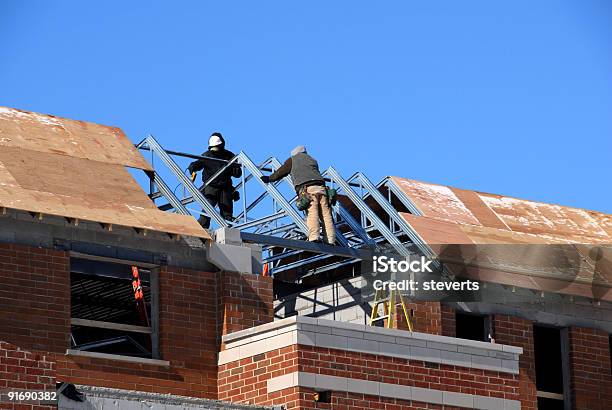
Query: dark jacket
[210, 166]
[304, 171]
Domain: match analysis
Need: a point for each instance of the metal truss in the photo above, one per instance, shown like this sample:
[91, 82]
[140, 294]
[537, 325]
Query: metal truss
[365, 219]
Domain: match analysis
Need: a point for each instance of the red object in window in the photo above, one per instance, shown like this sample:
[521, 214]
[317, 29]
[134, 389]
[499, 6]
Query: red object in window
[139, 296]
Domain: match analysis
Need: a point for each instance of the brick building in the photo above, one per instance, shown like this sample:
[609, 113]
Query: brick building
[212, 332]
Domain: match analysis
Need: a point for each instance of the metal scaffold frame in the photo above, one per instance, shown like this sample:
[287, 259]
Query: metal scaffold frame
[365, 220]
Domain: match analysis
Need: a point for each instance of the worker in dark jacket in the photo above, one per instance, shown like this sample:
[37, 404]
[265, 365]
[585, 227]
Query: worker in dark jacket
[308, 181]
[220, 191]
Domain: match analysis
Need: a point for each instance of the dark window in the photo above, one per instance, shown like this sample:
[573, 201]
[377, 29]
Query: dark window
[107, 314]
[549, 365]
[471, 326]
[549, 404]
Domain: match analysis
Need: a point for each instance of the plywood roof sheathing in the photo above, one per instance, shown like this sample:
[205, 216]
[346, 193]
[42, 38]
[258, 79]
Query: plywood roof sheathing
[79, 174]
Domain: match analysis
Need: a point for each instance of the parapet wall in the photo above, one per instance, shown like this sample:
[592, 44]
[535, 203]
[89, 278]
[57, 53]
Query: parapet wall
[292, 357]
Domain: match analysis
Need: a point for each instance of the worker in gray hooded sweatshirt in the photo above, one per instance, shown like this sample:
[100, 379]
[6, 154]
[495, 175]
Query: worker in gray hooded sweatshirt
[307, 180]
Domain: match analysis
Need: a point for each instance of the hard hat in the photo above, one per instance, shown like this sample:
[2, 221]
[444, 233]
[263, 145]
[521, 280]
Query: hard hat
[297, 150]
[215, 140]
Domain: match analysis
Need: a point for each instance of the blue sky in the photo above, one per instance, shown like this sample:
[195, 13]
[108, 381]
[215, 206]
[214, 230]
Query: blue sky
[507, 97]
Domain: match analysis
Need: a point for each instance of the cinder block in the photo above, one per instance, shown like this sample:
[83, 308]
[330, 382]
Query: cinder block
[487, 363]
[230, 258]
[411, 342]
[316, 328]
[331, 341]
[426, 395]
[442, 346]
[458, 399]
[228, 236]
[353, 334]
[379, 337]
[512, 405]
[425, 354]
[306, 338]
[363, 345]
[473, 350]
[335, 383]
[488, 403]
[395, 391]
[456, 359]
[304, 379]
[363, 387]
[503, 355]
[510, 366]
[281, 382]
[394, 349]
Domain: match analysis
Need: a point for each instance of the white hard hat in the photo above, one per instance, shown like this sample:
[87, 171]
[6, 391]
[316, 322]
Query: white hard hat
[214, 141]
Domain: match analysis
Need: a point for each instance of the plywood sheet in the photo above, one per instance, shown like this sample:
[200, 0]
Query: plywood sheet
[436, 201]
[547, 219]
[46, 133]
[79, 188]
[436, 232]
[552, 223]
[479, 209]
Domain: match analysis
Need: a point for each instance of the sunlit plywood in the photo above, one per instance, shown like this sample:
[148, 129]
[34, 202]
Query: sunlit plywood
[80, 139]
[61, 185]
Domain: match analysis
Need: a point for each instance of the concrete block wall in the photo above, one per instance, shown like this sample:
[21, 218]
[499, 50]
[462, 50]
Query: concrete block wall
[367, 365]
[342, 301]
[338, 301]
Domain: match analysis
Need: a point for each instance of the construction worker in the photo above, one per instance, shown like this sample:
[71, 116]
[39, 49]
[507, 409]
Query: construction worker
[220, 191]
[308, 183]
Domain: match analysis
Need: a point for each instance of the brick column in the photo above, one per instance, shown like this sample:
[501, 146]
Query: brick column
[425, 316]
[449, 325]
[519, 332]
[245, 301]
[591, 383]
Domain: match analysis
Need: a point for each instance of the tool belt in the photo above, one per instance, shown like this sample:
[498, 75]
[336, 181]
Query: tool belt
[303, 200]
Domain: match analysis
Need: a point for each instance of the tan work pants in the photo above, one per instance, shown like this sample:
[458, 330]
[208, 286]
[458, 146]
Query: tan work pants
[319, 208]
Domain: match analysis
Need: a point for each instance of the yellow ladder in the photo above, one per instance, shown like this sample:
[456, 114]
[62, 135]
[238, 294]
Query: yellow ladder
[389, 303]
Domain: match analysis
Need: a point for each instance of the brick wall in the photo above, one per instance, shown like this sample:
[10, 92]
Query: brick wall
[591, 383]
[519, 332]
[194, 308]
[244, 301]
[25, 370]
[34, 298]
[426, 317]
[449, 325]
[245, 380]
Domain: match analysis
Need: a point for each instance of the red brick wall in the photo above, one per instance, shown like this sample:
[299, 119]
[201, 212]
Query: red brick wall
[25, 370]
[34, 298]
[415, 373]
[591, 383]
[245, 381]
[351, 401]
[194, 308]
[244, 301]
[425, 317]
[449, 324]
[515, 331]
